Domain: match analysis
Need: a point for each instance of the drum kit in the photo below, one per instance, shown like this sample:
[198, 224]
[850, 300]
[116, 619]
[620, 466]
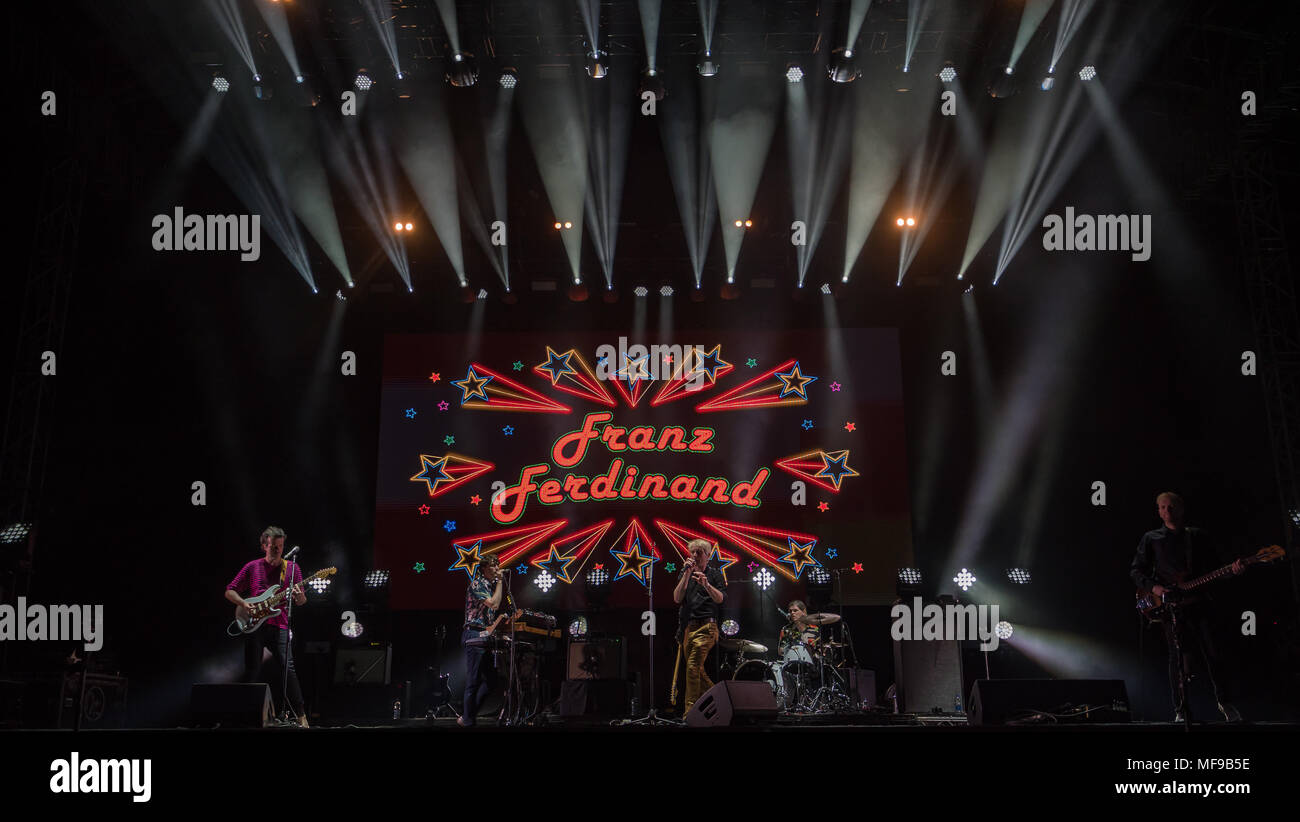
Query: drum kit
[808, 676]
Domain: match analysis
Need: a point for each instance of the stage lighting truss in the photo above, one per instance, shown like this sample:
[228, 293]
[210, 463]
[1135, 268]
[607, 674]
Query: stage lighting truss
[220, 84]
[1019, 576]
[1003, 630]
[666, 291]
[578, 628]
[909, 576]
[1087, 73]
[462, 72]
[764, 579]
[819, 576]
[509, 78]
[947, 74]
[597, 577]
[544, 580]
[376, 579]
[640, 291]
[730, 627]
[842, 67]
[320, 586]
[794, 73]
[363, 81]
[13, 534]
[964, 579]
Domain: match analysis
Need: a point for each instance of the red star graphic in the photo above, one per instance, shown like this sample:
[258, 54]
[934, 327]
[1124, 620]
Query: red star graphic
[848, 426]
[475, 500]
[424, 509]
[599, 565]
[435, 376]
[857, 567]
[821, 506]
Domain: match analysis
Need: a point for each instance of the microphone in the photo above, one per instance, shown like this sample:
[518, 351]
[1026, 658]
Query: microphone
[782, 613]
[292, 553]
[504, 570]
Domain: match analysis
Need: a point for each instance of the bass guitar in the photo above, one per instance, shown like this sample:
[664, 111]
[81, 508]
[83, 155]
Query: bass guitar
[267, 604]
[1152, 605]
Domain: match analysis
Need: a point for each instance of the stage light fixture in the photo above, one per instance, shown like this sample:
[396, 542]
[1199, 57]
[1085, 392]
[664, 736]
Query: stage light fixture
[482, 294]
[578, 292]
[597, 577]
[1008, 70]
[1019, 576]
[653, 82]
[965, 579]
[567, 225]
[749, 224]
[298, 79]
[1003, 84]
[1087, 73]
[764, 579]
[826, 289]
[640, 291]
[409, 226]
[911, 222]
[739, 223]
[794, 73]
[707, 66]
[578, 628]
[899, 222]
[376, 579]
[819, 576]
[544, 580]
[947, 74]
[666, 291]
[220, 84]
[1294, 514]
[262, 91]
[353, 629]
[319, 585]
[509, 78]
[730, 627]
[1047, 83]
[729, 289]
[1003, 630]
[596, 65]
[463, 70]
[363, 81]
[842, 67]
[397, 226]
[15, 533]
[909, 576]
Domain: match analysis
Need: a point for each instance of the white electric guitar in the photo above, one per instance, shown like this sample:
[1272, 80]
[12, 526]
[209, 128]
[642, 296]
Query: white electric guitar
[267, 604]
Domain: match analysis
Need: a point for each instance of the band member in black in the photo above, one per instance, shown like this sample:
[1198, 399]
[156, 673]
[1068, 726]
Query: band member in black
[252, 580]
[1166, 556]
[700, 592]
[482, 600]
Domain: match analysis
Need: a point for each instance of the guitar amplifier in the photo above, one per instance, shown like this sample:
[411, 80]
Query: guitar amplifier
[366, 665]
[604, 658]
[928, 674]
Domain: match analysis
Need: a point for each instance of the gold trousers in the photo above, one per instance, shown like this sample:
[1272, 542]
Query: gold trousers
[694, 649]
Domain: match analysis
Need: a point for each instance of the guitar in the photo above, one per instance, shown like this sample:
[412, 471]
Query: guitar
[1152, 605]
[267, 604]
[485, 635]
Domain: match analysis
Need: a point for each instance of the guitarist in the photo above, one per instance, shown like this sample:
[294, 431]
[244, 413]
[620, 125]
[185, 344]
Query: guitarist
[482, 600]
[252, 580]
[1166, 556]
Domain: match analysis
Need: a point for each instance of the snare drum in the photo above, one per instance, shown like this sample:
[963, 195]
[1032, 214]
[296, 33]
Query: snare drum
[760, 670]
[798, 652]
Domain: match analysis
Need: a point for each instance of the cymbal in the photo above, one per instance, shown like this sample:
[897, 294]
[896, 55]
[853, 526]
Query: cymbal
[821, 619]
[744, 646]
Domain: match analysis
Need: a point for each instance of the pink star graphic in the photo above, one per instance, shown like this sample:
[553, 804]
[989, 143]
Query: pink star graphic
[475, 500]
[821, 506]
[753, 566]
[599, 565]
[857, 567]
[442, 406]
[435, 376]
[848, 426]
[835, 386]
[424, 509]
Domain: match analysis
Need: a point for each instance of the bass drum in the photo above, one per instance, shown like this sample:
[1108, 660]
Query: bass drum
[760, 670]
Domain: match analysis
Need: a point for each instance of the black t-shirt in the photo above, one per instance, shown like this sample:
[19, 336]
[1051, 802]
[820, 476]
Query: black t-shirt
[696, 603]
[1166, 557]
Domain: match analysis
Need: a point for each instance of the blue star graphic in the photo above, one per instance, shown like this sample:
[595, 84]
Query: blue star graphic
[558, 565]
[633, 562]
[509, 430]
[557, 365]
[449, 525]
[410, 413]
[836, 467]
[635, 371]
[799, 555]
[710, 363]
[795, 382]
[468, 559]
[521, 569]
[434, 472]
[723, 562]
[472, 386]
[807, 424]
[831, 553]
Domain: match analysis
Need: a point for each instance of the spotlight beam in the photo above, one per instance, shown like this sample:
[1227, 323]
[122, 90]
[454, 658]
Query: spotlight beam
[231, 22]
[278, 22]
[427, 154]
[740, 133]
[1073, 13]
[651, 11]
[818, 154]
[687, 153]
[1031, 17]
[917, 13]
[381, 16]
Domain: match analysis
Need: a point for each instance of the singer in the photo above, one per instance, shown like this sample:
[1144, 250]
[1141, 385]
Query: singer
[253, 579]
[699, 592]
[482, 599]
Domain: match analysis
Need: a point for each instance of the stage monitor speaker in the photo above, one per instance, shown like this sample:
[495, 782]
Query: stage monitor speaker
[604, 658]
[862, 687]
[602, 698]
[242, 705]
[928, 675]
[1000, 701]
[364, 665]
[732, 702]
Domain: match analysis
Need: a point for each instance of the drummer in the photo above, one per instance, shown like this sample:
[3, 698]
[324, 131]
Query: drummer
[798, 629]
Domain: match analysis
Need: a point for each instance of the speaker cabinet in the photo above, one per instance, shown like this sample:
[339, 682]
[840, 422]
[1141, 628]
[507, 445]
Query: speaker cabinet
[732, 702]
[999, 701]
[596, 698]
[604, 658]
[242, 705]
[366, 665]
[862, 687]
[928, 675]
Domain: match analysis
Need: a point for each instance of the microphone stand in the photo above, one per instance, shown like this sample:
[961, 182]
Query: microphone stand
[652, 718]
[510, 710]
[286, 656]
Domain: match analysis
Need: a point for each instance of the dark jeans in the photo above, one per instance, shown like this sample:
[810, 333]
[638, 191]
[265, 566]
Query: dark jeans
[480, 674]
[1197, 638]
[276, 640]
